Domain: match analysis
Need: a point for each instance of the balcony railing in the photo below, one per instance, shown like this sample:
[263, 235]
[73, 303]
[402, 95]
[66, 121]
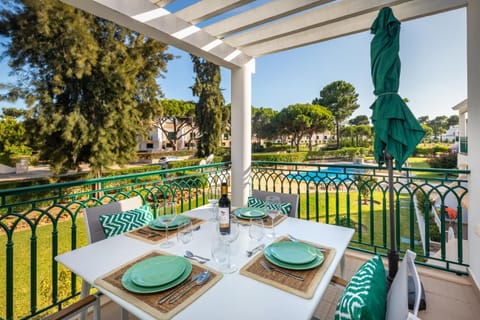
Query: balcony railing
[38, 223]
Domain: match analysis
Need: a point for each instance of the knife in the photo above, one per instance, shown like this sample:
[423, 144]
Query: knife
[194, 278]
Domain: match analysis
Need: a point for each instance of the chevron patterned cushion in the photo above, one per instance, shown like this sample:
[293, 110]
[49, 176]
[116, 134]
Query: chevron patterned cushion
[259, 203]
[118, 223]
[365, 296]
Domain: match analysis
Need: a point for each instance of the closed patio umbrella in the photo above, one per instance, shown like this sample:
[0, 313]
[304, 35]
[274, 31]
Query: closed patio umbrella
[397, 131]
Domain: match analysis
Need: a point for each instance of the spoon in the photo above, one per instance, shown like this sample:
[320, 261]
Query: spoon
[204, 276]
[190, 254]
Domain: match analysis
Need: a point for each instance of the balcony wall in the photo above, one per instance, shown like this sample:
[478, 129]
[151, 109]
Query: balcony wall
[38, 223]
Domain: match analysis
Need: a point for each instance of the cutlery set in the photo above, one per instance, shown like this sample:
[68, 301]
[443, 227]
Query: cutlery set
[269, 268]
[255, 250]
[196, 280]
[189, 255]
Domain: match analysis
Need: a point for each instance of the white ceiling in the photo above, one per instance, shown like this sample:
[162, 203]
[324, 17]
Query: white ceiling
[232, 32]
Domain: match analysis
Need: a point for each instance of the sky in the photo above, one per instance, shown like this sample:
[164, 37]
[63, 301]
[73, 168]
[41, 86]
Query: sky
[433, 75]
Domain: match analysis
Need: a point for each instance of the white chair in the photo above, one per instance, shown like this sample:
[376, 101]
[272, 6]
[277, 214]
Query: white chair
[284, 197]
[397, 298]
[92, 216]
[95, 231]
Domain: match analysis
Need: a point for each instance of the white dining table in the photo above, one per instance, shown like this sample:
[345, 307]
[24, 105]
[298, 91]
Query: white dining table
[235, 296]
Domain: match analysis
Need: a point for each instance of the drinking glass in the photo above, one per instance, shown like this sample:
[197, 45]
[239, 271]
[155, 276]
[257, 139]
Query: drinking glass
[185, 232]
[272, 209]
[256, 229]
[221, 246]
[167, 218]
[213, 209]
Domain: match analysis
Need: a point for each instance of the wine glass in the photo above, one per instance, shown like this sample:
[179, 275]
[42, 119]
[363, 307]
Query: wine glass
[168, 217]
[256, 229]
[272, 209]
[221, 246]
[213, 209]
[185, 232]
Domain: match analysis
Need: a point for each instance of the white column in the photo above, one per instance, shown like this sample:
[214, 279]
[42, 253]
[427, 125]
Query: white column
[241, 132]
[473, 131]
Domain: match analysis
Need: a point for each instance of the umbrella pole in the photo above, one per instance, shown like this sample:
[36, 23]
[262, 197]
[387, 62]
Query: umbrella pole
[392, 252]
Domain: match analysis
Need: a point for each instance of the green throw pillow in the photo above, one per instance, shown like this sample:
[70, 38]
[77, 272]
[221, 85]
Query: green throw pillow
[118, 223]
[259, 203]
[365, 296]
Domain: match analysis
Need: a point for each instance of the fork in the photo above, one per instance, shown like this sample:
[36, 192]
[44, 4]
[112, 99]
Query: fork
[271, 269]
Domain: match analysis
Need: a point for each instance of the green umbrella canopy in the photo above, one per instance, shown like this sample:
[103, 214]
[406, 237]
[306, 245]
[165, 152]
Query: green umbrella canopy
[397, 131]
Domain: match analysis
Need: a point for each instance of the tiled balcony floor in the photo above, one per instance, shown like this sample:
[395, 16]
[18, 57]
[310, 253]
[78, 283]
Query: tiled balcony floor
[448, 296]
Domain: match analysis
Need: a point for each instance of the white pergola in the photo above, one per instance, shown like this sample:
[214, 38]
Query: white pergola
[232, 33]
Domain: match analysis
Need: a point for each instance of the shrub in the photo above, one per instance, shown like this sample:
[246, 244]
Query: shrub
[446, 161]
[280, 157]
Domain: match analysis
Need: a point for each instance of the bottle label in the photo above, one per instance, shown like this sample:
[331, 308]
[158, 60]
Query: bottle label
[224, 218]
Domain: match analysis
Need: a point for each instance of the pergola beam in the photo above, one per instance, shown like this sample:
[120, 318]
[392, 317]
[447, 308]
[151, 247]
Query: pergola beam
[146, 17]
[345, 26]
[259, 15]
[207, 9]
[309, 20]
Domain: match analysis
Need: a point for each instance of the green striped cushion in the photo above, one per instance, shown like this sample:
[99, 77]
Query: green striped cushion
[118, 223]
[365, 296]
[259, 203]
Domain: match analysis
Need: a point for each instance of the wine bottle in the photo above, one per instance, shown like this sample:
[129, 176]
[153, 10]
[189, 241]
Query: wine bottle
[224, 210]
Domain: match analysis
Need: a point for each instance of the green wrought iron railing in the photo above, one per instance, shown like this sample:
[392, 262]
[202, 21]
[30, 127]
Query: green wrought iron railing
[38, 223]
[357, 196]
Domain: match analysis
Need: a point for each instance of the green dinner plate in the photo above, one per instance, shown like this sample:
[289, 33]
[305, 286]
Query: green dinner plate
[157, 271]
[293, 252]
[157, 225]
[315, 263]
[250, 213]
[131, 286]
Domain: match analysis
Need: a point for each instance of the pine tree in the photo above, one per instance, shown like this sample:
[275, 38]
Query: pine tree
[90, 85]
[210, 112]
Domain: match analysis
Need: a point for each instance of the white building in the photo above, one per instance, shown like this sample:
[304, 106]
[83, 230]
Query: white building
[451, 135]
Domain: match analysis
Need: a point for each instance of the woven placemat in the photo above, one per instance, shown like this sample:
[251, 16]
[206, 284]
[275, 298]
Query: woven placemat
[112, 281]
[304, 289]
[267, 220]
[152, 236]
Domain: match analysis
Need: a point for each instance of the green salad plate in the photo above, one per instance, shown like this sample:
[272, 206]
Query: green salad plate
[250, 213]
[293, 255]
[140, 274]
[157, 271]
[156, 224]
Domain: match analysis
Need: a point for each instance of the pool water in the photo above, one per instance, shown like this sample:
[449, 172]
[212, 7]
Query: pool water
[336, 175]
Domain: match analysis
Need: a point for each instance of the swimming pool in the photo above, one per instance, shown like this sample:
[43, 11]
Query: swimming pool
[335, 175]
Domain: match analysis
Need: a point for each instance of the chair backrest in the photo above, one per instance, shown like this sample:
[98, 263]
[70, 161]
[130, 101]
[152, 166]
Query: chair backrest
[397, 298]
[92, 216]
[284, 197]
